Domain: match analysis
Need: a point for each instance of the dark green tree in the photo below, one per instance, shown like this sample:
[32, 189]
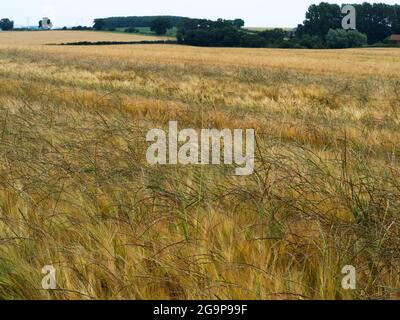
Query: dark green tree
[238, 23]
[99, 24]
[311, 42]
[396, 19]
[376, 20]
[320, 18]
[340, 38]
[160, 25]
[337, 39]
[273, 37]
[6, 24]
[220, 33]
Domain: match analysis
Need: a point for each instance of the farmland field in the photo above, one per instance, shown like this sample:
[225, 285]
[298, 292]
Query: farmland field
[147, 31]
[58, 37]
[76, 191]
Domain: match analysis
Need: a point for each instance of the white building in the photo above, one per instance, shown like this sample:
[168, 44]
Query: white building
[45, 24]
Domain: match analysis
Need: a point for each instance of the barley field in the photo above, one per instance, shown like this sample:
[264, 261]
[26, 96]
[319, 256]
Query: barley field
[77, 193]
[58, 37]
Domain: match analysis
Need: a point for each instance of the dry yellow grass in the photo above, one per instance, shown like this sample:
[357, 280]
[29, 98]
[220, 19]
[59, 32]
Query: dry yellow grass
[76, 191]
[57, 37]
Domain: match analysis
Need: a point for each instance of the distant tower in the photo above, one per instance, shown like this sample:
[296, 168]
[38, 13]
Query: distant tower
[45, 24]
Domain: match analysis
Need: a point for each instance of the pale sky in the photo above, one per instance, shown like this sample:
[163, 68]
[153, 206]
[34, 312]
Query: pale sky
[256, 13]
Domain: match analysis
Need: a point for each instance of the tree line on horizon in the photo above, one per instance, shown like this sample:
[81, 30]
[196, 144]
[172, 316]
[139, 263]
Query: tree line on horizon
[133, 22]
[6, 24]
[377, 21]
[320, 29]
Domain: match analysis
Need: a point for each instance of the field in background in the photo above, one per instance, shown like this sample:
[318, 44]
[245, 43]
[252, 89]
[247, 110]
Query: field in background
[147, 31]
[257, 28]
[260, 29]
[57, 37]
[76, 191]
